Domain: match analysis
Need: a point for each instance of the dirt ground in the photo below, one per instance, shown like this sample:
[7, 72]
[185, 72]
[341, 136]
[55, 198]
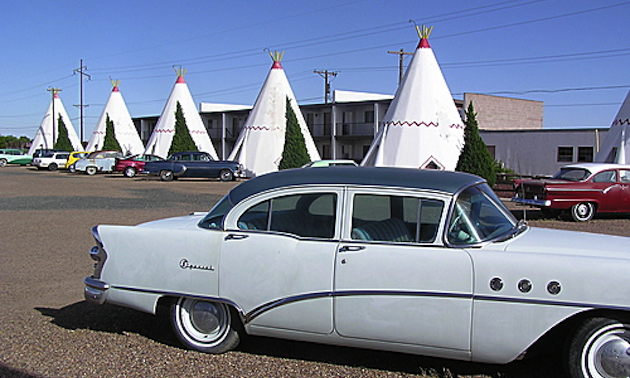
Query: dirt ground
[47, 330]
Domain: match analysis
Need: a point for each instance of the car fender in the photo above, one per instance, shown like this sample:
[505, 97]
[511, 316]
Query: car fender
[146, 263]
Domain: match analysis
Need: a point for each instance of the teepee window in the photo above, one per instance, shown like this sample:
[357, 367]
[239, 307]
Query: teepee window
[432, 165]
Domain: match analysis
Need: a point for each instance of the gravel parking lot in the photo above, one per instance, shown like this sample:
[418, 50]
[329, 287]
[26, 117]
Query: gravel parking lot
[47, 330]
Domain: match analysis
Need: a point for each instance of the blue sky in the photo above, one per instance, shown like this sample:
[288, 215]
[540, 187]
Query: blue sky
[573, 55]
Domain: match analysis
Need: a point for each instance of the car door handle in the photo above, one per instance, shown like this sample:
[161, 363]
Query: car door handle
[351, 248]
[235, 237]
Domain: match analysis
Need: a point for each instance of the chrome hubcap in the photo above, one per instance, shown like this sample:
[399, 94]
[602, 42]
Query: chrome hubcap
[609, 353]
[206, 318]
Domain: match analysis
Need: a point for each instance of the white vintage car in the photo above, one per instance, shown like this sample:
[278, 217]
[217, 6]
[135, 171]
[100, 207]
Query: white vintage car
[414, 261]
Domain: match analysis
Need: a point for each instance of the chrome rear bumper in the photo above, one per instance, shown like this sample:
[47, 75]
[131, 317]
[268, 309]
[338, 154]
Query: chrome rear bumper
[95, 290]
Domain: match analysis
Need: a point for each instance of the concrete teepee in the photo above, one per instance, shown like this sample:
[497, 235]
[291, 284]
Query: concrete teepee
[48, 131]
[616, 145]
[162, 136]
[260, 144]
[124, 129]
[422, 127]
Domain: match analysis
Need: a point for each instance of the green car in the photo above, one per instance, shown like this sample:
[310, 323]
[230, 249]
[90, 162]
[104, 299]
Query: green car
[14, 156]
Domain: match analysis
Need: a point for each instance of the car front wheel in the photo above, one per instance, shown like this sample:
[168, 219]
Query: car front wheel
[166, 175]
[90, 171]
[582, 212]
[204, 326]
[72, 169]
[129, 172]
[600, 349]
[52, 167]
[3, 163]
[226, 175]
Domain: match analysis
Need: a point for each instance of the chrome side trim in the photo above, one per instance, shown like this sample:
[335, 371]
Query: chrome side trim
[254, 313]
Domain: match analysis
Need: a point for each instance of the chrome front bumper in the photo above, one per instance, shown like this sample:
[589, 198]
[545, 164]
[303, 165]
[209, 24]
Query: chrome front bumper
[531, 202]
[95, 290]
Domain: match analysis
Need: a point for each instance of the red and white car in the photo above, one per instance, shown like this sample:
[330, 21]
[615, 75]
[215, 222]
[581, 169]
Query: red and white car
[581, 190]
[132, 165]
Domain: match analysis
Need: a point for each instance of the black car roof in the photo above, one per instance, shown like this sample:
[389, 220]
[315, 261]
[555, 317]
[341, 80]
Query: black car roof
[443, 181]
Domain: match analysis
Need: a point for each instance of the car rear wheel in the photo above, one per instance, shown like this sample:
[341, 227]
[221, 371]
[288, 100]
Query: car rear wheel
[129, 172]
[52, 167]
[3, 163]
[226, 175]
[600, 349]
[90, 171]
[71, 168]
[208, 327]
[166, 175]
[582, 212]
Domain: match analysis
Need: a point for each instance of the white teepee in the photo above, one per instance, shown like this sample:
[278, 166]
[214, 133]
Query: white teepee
[616, 145]
[162, 136]
[260, 144]
[45, 134]
[422, 127]
[124, 129]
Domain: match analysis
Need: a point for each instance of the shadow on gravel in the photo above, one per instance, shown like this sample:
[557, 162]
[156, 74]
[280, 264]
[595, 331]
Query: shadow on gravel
[114, 319]
[6, 372]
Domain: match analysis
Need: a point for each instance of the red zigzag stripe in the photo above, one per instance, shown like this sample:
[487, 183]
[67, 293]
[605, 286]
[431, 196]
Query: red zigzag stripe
[621, 122]
[414, 123]
[190, 131]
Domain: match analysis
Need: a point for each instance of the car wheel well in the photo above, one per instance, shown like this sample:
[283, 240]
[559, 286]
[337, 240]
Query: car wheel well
[557, 339]
[164, 304]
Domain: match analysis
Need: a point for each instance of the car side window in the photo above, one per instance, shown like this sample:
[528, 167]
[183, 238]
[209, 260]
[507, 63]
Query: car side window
[395, 218]
[606, 176]
[624, 175]
[306, 215]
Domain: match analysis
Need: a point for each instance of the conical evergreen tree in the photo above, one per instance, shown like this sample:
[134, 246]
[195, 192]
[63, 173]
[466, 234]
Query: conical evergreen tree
[475, 157]
[182, 141]
[110, 142]
[294, 154]
[62, 142]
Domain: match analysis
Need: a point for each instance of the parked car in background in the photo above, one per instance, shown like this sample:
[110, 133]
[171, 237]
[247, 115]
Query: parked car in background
[14, 156]
[416, 261]
[579, 190]
[193, 164]
[132, 165]
[74, 157]
[99, 161]
[330, 163]
[51, 160]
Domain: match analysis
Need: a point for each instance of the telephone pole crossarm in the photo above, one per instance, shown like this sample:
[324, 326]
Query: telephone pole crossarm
[401, 68]
[326, 75]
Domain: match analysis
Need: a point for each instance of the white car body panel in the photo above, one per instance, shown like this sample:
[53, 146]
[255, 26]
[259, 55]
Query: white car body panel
[426, 298]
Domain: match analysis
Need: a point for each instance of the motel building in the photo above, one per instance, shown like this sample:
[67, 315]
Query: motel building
[345, 127]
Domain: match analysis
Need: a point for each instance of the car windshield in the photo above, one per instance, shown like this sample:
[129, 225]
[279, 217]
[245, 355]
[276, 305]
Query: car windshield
[479, 216]
[571, 174]
[214, 219]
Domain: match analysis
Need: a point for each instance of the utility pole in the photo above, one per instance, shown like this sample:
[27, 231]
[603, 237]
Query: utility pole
[326, 74]
[54, 92]
[401, 67]
[81, 72]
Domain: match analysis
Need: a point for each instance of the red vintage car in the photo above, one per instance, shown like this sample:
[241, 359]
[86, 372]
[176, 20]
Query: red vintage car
[580, 190]
[132, 165]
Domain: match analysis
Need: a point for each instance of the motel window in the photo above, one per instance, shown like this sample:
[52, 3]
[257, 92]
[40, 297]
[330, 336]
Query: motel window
[585, 154]
[565, 154]
[368, 116]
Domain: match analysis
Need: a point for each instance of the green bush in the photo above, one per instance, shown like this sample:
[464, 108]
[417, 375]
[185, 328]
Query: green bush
[475, 157]
[182, 141]
[294, 154]
[63, 142]
[110, 142]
